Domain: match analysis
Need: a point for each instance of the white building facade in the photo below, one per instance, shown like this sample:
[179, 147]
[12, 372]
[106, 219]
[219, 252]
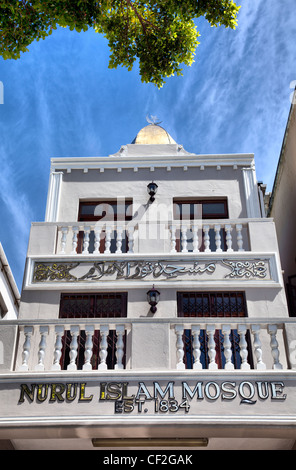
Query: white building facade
[153, 319]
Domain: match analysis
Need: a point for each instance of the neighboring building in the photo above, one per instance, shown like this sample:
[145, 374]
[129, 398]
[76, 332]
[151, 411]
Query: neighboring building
[9, 293]
[153, 319]
[282, 207]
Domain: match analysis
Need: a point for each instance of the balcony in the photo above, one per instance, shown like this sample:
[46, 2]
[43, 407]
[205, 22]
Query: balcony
[192, 236]
[216, 251]
[243, 344]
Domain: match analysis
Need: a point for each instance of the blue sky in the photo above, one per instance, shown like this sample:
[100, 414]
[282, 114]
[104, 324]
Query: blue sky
[60, 99]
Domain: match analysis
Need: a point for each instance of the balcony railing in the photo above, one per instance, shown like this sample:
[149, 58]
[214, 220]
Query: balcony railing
[189, 236]
[98, 238]
[209, 236]
[259, 345]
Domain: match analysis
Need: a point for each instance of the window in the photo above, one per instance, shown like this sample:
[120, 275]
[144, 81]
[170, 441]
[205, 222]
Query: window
[200, 209]
[102, 305]
[104, 211]
[188, 209]
[213, 304]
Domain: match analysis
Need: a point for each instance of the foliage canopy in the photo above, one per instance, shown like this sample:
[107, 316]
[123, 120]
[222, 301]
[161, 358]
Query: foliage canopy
[161, 34]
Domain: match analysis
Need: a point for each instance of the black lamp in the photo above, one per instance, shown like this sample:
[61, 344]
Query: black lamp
[152, 190]
[153, 299]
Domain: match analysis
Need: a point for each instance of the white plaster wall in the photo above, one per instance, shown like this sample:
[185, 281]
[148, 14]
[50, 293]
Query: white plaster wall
[193, 183]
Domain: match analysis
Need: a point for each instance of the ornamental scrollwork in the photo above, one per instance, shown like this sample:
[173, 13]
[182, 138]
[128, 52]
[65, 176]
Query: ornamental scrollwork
[53, 272]
[246, 269]
[119, 269]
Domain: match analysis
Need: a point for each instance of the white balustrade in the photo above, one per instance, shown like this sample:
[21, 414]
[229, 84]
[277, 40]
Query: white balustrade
[88, 238]
[209, 235]
[204, 338]
[225, 343]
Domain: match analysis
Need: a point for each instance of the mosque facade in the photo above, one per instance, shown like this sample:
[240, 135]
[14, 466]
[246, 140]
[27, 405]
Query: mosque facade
[153, 311]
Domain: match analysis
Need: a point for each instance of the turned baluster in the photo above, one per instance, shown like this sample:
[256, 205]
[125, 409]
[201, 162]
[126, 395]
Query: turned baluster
[104, 331]
[86, 240]
[242, 330]
[217, 229]
[97, 240]
[89, 332]
[228, 230]
[42, 346]
[195, 330]
[59, 331]
[184, 229]
[179, 329]
[119, 347]
[119, 239]
[211, 347]
[75, 231]
[257, 345]
[239, 237]
[28, 331]
[73, 347]
[272, 330]
[195, 238]
[173, 229]
[206, 229]
[130, 234]
[226, 330]
[108, 240]
[64, 231]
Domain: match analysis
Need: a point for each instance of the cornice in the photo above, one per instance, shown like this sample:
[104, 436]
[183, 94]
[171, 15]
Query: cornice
[168, 162]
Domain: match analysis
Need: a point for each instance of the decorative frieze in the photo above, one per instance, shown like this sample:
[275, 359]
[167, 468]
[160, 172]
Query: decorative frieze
[85, 271]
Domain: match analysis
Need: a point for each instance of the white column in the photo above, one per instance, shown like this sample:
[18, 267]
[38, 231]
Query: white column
[53, 198]
[251, 192]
